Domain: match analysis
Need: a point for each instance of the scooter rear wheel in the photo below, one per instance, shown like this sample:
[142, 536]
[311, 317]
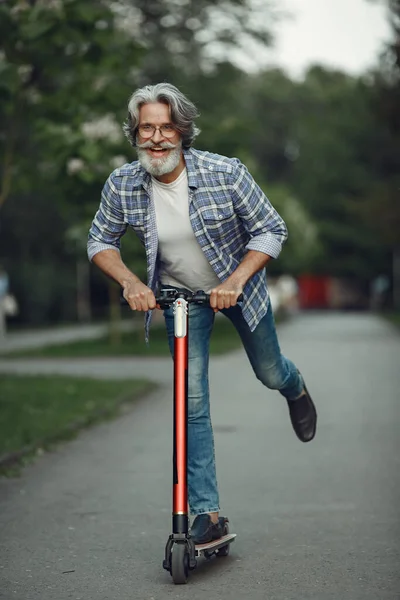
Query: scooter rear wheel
[179, 563]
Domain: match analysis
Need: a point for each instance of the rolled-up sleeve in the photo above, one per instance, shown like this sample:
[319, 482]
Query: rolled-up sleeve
[266, 228]
[109, 224]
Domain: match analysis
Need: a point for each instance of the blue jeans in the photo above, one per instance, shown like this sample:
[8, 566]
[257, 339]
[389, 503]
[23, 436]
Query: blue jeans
[270, 367]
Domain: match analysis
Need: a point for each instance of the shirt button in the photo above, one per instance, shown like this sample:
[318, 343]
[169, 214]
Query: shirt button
[137, 222]
[219, 216]
[210, 168]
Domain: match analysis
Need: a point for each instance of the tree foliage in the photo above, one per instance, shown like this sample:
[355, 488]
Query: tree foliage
[325, 149]
[382, 204]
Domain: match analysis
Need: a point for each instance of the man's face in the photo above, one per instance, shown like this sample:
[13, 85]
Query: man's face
[159, 150]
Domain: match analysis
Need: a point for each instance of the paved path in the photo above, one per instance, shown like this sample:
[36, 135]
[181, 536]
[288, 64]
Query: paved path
[21, 340]
[36, 338]
[316, 521]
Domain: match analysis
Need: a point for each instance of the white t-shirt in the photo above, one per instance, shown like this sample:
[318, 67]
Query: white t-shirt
[183, 263]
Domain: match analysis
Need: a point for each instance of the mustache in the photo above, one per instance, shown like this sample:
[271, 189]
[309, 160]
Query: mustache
[163, 145]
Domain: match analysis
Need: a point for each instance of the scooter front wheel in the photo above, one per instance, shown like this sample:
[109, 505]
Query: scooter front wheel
[179, 563]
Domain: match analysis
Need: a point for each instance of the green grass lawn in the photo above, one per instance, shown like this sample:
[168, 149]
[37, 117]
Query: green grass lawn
[36, 411]
[224, 339]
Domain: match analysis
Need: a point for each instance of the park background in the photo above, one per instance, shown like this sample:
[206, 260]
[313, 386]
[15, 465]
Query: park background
[315, 117]
[321, 139]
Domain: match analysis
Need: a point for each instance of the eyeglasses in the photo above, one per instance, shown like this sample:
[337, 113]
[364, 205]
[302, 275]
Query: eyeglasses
[147, 131]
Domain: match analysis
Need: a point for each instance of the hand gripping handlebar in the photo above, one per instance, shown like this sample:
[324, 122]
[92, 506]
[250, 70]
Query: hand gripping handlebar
[167, 297]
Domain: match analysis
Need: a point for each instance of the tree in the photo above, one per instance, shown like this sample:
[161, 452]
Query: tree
[381, 205]
[187, 38]
[61, 60]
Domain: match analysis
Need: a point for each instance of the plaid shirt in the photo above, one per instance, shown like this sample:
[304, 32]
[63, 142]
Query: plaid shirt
[228, 212]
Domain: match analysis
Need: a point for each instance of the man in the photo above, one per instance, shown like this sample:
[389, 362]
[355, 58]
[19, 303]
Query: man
[205, 224]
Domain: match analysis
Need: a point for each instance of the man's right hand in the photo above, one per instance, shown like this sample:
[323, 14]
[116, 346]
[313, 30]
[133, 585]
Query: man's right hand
[139, 296]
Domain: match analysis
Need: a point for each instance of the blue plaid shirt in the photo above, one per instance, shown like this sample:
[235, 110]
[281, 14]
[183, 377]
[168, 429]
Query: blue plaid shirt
[228, 211]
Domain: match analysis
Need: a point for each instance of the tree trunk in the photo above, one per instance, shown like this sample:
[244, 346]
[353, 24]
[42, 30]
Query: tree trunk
[396, 278]
[83, 307]
[3, 328]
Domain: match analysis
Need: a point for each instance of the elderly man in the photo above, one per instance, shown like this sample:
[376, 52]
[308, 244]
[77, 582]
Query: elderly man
[205, 224]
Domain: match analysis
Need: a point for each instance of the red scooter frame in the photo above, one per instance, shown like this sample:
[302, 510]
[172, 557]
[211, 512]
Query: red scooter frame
[180, 550]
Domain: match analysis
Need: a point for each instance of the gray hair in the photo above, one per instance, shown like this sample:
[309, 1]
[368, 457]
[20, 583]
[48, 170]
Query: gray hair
[183, 112]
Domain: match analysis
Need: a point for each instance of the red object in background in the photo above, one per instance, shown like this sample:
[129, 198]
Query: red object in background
[313, 291]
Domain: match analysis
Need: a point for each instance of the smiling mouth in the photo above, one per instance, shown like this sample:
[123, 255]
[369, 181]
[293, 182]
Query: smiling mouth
[157, 151]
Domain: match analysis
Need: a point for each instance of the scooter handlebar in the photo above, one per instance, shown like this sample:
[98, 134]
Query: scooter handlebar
[168, 297]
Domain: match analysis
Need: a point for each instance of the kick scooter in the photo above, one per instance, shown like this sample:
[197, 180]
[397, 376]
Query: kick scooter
[181, 551]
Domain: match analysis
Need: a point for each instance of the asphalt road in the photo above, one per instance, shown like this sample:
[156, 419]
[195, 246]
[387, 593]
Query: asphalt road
[313, 521]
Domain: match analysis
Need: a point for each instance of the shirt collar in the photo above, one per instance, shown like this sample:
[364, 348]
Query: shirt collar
[143, 178]
[190, 167]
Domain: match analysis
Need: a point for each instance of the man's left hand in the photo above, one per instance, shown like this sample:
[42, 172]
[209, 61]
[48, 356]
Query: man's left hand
[225, 295]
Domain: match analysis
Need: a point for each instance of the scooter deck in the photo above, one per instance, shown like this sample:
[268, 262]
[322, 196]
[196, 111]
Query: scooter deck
[215, 544]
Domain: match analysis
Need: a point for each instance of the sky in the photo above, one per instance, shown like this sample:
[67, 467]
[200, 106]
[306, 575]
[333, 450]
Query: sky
[346, 34]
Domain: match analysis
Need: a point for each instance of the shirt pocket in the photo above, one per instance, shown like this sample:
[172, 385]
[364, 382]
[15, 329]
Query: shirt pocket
[219, 221]
[136, 220]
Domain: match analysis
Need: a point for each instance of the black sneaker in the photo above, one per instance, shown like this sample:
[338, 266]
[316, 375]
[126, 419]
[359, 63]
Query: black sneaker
[203, 530]
[303, 416]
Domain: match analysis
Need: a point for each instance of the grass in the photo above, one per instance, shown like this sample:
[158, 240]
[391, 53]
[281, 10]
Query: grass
[393, 317]
[224, 339]
[38, 411]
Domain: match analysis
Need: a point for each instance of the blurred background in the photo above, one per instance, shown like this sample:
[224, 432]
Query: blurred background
[306, 94]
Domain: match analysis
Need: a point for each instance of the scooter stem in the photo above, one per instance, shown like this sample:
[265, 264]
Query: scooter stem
[180, 521]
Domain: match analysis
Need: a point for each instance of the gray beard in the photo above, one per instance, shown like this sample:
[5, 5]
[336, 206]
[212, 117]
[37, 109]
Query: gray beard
[160, 166]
